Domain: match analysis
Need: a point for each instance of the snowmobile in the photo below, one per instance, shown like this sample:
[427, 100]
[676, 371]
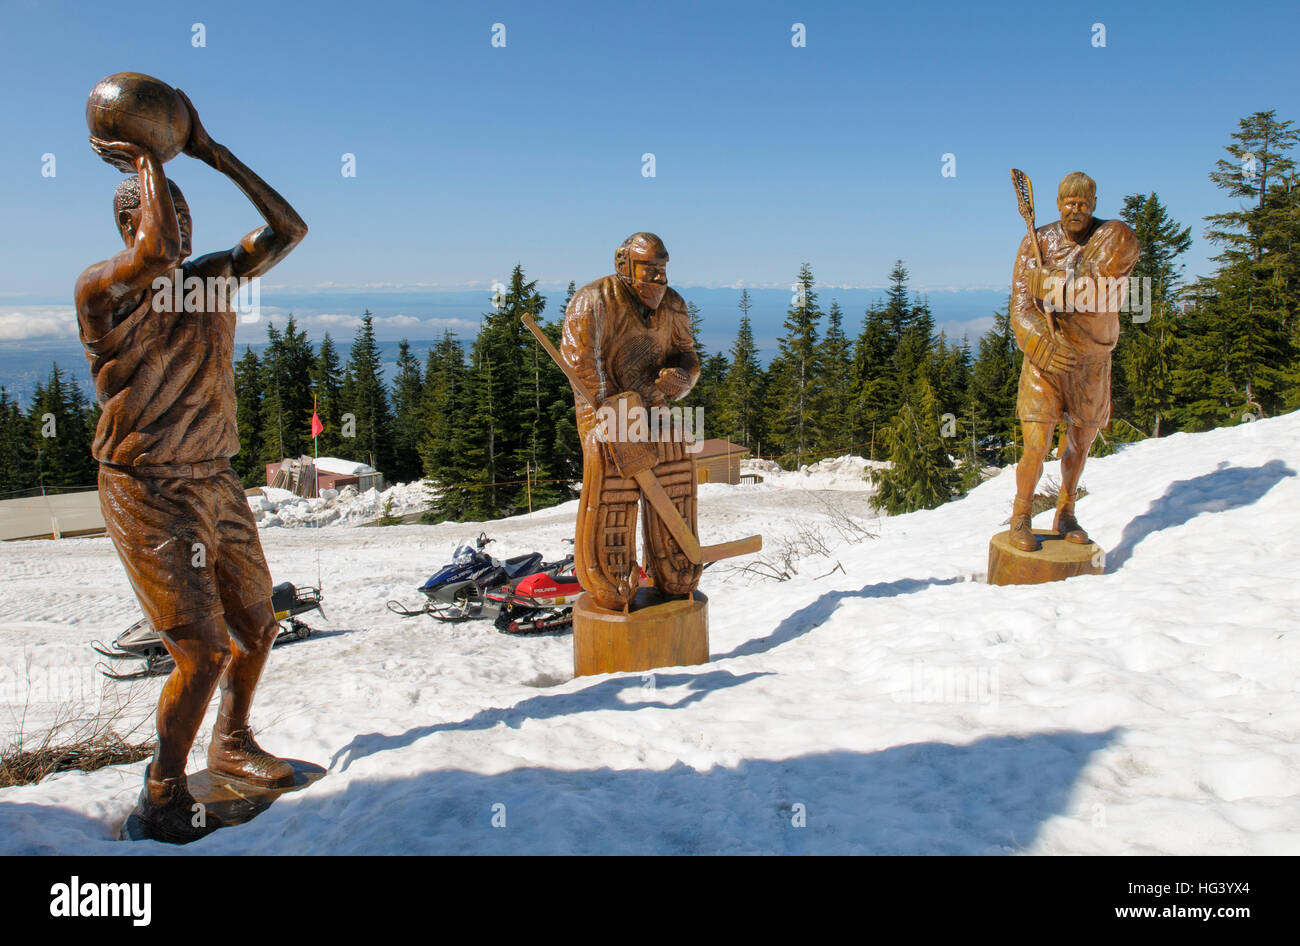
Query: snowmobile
[456, 591]
[540, 602]
[141, 642]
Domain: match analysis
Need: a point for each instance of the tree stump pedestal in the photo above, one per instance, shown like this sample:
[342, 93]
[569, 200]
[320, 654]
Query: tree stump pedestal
[1057, 559]
[654, 633]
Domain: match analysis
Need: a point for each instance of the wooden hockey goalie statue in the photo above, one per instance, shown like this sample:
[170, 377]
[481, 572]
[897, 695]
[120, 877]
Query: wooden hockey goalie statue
[628, 352]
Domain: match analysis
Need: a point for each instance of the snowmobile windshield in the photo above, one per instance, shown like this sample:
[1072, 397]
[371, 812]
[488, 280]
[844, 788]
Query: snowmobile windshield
[463, 555]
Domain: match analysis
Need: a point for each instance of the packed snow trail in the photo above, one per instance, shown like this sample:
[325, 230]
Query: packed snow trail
[897, 705]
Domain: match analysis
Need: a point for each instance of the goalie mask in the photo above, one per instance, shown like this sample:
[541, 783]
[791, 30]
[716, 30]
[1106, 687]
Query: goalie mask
[642, 262]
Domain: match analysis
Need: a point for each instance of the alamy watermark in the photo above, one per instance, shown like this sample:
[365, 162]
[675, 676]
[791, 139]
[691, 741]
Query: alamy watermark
[930, 683]
[636, 424]
[241, 295]
[1071, 293]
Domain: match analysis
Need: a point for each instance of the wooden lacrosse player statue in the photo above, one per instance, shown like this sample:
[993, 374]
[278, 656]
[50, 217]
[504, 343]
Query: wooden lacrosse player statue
[173, 507]
[1068, 288]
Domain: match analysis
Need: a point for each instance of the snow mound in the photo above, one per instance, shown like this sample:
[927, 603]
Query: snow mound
[280, 508]
[841, 473]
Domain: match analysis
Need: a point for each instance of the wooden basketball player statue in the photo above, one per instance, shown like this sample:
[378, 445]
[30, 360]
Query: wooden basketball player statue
[1068, 288]
[628, 353]
[174, 509]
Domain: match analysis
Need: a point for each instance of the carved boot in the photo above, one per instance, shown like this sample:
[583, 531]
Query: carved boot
[1022, 532]
[169, 813]
[234, 752]
[1065, 525]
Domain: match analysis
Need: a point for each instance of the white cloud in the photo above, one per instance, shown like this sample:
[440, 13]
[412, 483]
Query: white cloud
[22, 323]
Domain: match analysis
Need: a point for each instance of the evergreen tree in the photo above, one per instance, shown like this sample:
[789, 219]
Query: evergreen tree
[948, 371]
[60, 434]
[502, 428]
[992, 393]
[364, 396]
[836, 424]
[445, 449]
[796, 375]
[17, 454]
[921, 475]
[327, 386]
[917, 341]
[1253, 299]
[297, 361]
[248, 463]
[408, 389]
[740, 402]
[708, 391]
[554, 453]
[876, 384]
[563, 461]
[1142, 392]
[271, 422]
[285, 420]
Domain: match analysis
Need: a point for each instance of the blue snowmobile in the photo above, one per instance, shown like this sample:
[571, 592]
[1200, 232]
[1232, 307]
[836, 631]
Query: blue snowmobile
[455, 592]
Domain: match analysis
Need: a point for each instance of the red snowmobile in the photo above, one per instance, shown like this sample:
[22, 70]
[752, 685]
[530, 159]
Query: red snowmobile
[540, 602]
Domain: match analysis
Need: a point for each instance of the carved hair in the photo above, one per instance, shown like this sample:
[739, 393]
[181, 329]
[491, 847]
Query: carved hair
[1076, 182]
[127, 195]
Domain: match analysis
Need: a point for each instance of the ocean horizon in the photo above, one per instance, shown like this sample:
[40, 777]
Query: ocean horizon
[421, 316]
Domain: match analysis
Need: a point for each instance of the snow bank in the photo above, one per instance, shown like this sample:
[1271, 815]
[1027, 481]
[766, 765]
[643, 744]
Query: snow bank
[842, 473]
[345, 507]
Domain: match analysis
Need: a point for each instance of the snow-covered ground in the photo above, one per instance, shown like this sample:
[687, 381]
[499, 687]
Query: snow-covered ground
[896, 705]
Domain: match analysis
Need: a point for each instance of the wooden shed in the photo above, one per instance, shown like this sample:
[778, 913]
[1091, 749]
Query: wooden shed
[719, 461]
[303, 475]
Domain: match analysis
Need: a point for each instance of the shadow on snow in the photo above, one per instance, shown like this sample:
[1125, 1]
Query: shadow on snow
[811, 615]
[992, 796]
[605, 695]
[1227, 487]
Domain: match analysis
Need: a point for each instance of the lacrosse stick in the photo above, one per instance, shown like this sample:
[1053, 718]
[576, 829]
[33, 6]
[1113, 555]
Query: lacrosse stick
[1025, 201]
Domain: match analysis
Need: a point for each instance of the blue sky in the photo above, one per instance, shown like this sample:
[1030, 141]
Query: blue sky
[470, 158]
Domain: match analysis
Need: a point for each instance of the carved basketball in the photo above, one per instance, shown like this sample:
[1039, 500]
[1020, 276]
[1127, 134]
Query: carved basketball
[129, 106]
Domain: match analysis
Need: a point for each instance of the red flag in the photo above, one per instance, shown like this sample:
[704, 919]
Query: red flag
[316, 425]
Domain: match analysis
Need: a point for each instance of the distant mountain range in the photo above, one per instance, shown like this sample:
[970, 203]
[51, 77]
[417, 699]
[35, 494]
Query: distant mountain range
[421, 315]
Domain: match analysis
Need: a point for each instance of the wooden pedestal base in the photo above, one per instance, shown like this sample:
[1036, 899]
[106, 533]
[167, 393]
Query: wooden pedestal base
[1056, 559]
[656, 633]
[232, 800]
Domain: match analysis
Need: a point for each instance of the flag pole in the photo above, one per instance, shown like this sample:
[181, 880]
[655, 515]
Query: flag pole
[315, 472]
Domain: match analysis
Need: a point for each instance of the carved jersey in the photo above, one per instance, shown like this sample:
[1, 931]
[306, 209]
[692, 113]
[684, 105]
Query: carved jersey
[165, 382]
[1111, 251]
[617, 344]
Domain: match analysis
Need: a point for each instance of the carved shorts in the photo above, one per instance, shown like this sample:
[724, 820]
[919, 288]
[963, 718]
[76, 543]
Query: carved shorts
[189, 545]
[1083, 394]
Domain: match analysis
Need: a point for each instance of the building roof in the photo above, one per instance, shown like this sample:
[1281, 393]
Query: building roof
[719, 448]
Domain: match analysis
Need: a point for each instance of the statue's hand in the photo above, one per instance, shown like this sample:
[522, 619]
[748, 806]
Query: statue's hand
[673, 383]
[200, 145]
[1043, 281]
[123, 155]
[1051, 354]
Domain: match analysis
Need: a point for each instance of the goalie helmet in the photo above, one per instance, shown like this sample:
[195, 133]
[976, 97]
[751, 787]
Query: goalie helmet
[642, 261]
